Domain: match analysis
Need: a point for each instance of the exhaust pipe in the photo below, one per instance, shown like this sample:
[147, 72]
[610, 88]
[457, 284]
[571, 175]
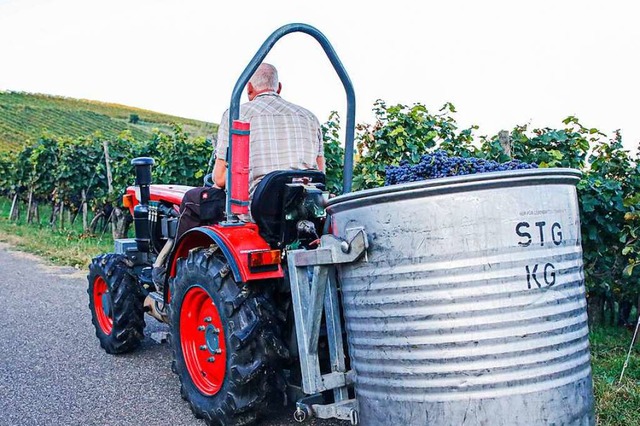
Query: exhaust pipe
[143, 176]
[141, 211]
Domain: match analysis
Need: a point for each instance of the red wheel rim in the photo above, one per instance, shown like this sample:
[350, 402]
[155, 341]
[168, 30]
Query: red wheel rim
[100, 293]
[202, 341]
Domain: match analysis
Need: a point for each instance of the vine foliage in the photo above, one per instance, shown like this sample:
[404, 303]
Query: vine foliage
[59, 170]
[608, 192]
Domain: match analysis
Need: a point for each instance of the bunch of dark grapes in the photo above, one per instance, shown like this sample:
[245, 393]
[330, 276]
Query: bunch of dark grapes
[439, 164]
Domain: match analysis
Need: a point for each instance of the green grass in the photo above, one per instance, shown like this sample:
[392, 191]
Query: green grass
[617, 403]
[24, 117]
[68, 246]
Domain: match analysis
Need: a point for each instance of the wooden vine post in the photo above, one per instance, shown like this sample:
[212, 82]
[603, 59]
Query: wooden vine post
[118, 220]
[107, 162]
[54, 208]
[505, 142]
[84, 211]
[14, 213]
[61, 215]
[30, 206]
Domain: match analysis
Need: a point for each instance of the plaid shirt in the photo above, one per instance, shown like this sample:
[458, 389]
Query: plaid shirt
[284, 136]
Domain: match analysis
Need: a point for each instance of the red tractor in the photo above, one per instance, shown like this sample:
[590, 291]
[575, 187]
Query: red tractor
[252, 307]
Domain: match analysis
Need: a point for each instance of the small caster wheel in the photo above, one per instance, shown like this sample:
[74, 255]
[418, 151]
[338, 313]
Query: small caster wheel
[299, 415]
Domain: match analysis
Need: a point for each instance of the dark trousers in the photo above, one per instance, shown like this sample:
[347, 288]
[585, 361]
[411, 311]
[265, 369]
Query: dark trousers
[200, 206]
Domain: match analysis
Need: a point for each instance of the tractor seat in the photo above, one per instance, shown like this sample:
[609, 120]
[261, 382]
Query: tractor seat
[268, 200]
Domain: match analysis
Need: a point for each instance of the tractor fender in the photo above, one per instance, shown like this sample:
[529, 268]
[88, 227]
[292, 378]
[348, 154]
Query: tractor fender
[235, 242]
[203, 237]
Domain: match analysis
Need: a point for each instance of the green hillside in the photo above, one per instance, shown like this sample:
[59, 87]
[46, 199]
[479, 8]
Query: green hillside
[25, 116]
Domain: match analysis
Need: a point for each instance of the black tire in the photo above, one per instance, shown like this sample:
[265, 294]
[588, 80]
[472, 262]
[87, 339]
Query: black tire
[252, 335]
[121, 304]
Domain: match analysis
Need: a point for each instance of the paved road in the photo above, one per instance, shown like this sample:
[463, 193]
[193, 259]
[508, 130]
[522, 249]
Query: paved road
[53, 372]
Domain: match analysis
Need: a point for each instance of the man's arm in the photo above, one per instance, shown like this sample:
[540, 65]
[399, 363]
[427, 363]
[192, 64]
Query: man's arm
[320, 162]
[220, 173]
[220, 165]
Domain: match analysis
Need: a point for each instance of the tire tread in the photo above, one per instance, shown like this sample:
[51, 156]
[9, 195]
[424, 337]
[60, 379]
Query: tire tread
[127, 300]
[252, 363]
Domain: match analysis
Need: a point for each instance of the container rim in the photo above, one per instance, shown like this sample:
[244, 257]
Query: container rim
[470, 182]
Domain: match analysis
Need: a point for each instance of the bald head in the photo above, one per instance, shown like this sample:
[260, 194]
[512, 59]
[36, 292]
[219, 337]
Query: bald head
[265, 79]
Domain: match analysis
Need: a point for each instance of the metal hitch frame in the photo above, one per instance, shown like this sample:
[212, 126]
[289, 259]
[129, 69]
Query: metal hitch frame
[310, 299]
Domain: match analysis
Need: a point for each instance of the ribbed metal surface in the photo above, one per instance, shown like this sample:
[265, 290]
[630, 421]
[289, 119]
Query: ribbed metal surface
[470, 307]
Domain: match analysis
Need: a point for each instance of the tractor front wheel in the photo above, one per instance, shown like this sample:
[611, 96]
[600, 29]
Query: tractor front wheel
[116, 304]
[225, 340]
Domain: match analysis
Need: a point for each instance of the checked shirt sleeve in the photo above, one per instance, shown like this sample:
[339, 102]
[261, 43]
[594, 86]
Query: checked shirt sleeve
[223, 137]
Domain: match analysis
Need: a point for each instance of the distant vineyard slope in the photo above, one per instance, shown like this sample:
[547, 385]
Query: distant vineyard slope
[24, 117]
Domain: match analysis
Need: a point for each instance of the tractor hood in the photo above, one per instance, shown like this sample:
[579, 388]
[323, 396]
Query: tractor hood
[169, 193]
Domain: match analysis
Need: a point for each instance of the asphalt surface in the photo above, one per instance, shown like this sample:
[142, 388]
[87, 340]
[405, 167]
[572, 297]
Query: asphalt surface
[53, 371]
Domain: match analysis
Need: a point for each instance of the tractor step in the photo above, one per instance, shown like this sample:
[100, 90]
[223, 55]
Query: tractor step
[160, 337]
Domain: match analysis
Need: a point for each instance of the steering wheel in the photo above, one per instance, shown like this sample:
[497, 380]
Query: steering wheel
[208, 180]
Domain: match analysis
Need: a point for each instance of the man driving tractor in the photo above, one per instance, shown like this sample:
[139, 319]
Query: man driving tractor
[284, 136]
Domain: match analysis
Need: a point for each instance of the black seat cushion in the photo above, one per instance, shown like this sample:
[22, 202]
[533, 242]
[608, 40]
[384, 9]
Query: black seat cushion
[267, 202]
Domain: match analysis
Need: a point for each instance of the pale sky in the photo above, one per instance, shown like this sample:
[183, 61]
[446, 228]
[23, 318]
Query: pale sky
[501, 63]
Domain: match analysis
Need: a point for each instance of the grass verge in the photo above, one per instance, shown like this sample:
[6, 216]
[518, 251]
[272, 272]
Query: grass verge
[617, 402]
[69, 246]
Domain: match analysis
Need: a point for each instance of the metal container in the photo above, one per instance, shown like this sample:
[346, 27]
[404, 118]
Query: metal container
[470, 307]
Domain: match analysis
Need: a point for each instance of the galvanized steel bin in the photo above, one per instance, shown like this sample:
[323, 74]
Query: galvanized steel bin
[470, 306]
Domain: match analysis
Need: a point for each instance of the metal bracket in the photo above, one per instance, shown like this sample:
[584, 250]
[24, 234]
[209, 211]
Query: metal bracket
[312, 297]
[334, 250]
[343, 410]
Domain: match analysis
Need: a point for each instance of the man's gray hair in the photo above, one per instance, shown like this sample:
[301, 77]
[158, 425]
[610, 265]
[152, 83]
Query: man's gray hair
[265, 77]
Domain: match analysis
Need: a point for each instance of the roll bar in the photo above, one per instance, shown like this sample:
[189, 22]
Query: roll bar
[234, 107]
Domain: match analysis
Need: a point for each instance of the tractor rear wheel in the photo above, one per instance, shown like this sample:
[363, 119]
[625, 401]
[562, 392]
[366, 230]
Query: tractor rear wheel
[116, 303]
[226, 341]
